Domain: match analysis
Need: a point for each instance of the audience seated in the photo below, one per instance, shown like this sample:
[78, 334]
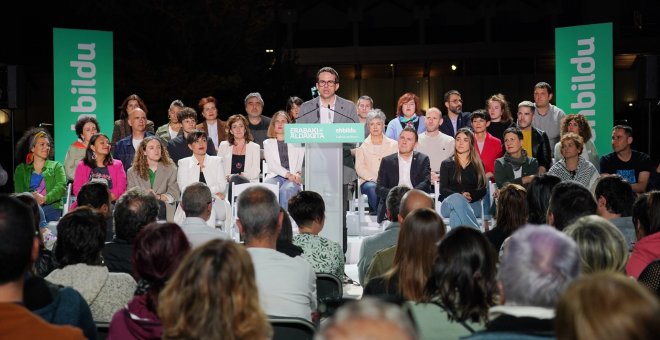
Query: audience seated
[284, 160]
[45, 262]
[511, 215]
[172, 128]
[500, 116]
[568, 202]
[601, 245]
[463, 182]
[97, 196]
[578, 124]
[308, 210]
[213, 295]
[122, 128]
[413, 261]
[19, 246]
[461, 287]
[406, 167]
[135, 209]
[124, 149]
[196, 202]
[538, 263]
[215, 128]
[538, 197]
[607, 306]
[81, 235]
[240, 155]
[646, 217]
[99, 166]
[434, 143]
[615, 199]
[154, 171]
[158, 250]
[369, 154]
[85, 127]
[386, 238]
[383, 258]
[178, 147]
[573, 167]
[368, 318]
[285, 238]
[408, 114]
[516, 166]
[287, 285]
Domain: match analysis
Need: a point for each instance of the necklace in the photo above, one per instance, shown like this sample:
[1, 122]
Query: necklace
[241, 150]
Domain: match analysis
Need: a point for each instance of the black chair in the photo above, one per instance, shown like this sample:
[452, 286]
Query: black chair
[329, 293]
[102, 329]
[650, 277]
[290, 328]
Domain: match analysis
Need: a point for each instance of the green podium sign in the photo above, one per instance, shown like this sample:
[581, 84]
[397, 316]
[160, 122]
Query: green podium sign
[324, 133]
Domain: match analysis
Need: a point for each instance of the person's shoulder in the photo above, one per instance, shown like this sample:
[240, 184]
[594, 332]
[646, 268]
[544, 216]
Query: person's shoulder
[117, 163]
[390, 158]
[641, 156]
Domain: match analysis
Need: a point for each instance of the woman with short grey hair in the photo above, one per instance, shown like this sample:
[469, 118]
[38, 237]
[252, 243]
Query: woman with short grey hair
[369, 154]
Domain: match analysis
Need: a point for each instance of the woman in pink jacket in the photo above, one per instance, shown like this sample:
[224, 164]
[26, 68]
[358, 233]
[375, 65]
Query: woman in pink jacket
[98, 166]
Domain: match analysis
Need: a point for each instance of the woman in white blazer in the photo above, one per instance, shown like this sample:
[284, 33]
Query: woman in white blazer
[283, 168]
[240, 155]
[201, 167]
[152, 159]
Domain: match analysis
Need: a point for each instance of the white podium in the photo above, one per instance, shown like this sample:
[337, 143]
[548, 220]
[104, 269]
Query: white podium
[324, 166]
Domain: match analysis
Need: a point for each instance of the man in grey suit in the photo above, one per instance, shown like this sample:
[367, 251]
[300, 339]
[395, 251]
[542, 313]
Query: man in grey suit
[197, 204]
[330, 108]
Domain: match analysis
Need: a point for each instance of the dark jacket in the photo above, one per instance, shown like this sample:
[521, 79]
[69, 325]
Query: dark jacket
[124, 150]
[504, 171]
[178, 148]
[388, 177]
[541, 148]
[117, 256]
[462, 121]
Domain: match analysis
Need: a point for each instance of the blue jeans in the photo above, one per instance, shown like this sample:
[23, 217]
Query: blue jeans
[460, 211]
[51, 213]
[288, 189]
[369, 188]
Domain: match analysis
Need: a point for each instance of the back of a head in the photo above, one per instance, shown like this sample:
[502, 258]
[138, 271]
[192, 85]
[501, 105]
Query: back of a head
[195, 199]
[306, 207]
[93, 194]
[393, 201]
[463, 275]
[258, 211]
[602, 246]
[618, 194]
[646, 213]
[80, 237]
[538, 263]
[570, 201]
[286, 232]
[31, 202]
[133, 210]
[414, 199]
[512, 209]
[415, 251]
[538, 196]
[368, 318]
[213, 292]
[17, 237]
[607, 306]
[157, 252]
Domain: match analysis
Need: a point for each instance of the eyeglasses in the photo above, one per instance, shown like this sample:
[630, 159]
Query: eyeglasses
[323, 83]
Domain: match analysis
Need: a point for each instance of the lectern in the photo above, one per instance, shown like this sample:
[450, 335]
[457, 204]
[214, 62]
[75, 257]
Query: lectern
[324, 166]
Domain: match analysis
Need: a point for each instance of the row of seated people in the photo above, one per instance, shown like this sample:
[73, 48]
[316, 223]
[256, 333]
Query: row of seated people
[446, 281]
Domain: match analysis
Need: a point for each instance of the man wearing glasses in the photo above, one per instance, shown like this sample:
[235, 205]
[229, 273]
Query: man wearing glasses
[455, 117]
[327, 107]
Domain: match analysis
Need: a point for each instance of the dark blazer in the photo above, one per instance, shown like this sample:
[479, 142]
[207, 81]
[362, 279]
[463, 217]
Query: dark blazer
[122, 129]
[504, 171]
[388, 176]
[124, 150]
[463, 121]
[346, 111]
[541, 148]
[178, 148]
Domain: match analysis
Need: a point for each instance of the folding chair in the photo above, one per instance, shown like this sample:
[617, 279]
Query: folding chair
[291, 328]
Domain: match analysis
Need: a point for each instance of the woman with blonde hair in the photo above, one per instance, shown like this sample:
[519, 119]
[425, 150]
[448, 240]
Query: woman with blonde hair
[463, 182]
[573, 167]
[607, 306]
[213, 294]
[284, 160]
[601, 245]
[154, 171]
[408, 114]
[578, 124]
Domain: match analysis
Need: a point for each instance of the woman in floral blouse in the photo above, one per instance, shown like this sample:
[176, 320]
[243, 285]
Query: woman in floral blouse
[308, 210]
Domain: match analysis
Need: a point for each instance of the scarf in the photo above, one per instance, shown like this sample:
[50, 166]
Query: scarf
[516, 163]
[412, 122]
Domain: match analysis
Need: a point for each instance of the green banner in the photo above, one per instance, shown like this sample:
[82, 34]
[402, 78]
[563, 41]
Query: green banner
[324, 133]
[584, 70]
[83, 83]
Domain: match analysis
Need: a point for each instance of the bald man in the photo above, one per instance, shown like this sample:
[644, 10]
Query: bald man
[125, 148]
[382, 260]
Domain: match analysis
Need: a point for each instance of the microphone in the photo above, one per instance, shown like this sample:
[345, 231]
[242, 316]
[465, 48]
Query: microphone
[341, 114]
[310, 111]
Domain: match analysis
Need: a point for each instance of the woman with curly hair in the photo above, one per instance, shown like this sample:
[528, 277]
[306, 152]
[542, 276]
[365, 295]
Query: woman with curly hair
[460, 289]
[579, 125]
[37, 174]
[86, 127]
[213, 294]
[99, 166]
[154, 171]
